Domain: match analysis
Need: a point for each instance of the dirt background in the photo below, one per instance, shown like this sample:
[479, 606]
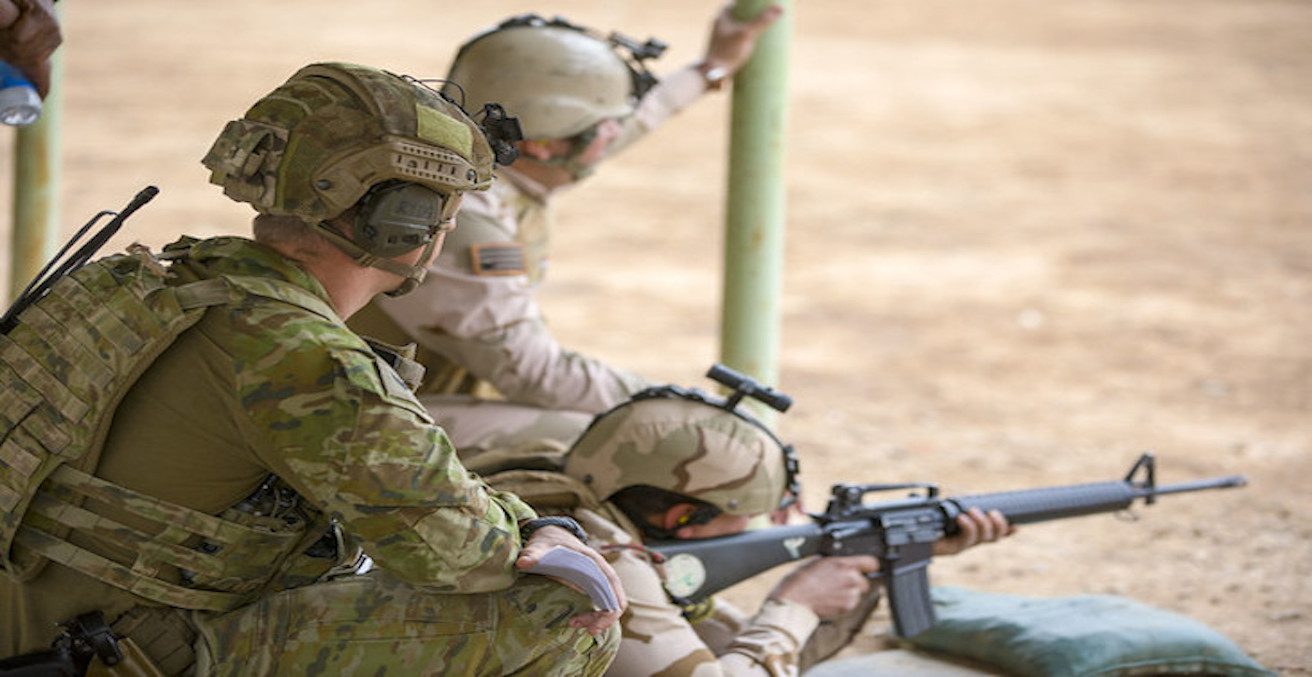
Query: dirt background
[1027, 241]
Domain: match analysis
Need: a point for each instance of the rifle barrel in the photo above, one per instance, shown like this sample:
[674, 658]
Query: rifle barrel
[699, 568]
[1200, 485]
[1214, 483]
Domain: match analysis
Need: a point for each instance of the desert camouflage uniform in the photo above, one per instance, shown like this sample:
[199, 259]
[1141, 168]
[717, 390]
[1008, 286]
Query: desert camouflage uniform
[703, 453]
[720, 461]
[477, 322]
[272, 384]
[659, 640]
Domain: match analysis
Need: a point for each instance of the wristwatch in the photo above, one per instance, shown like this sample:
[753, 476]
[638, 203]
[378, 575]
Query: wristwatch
[566, 523]
[713, 75]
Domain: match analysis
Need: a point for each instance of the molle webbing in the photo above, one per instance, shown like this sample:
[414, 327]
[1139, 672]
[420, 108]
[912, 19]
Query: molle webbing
[244, 555]
[68, 363]
[64, 369]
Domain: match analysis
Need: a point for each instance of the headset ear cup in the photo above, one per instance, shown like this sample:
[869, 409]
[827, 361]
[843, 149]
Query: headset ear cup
[366, 229]
[397, 217]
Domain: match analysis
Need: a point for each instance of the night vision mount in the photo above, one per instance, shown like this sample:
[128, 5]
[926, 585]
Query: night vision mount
[502, 132]
[500, 129]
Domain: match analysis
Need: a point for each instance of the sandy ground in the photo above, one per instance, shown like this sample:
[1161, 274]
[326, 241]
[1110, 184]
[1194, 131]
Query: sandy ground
[1027, 241]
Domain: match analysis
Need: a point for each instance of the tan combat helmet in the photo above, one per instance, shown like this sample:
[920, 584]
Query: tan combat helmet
[558, 78]
[335, 133]
[689, 443]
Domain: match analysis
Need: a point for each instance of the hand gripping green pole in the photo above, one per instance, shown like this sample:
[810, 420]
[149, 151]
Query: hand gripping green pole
[754, 214]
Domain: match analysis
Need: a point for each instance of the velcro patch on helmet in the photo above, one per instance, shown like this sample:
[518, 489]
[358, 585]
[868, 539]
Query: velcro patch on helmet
[497, 258]
[443, 130]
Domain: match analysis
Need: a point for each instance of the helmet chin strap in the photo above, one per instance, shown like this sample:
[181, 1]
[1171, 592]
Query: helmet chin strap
[412, 275]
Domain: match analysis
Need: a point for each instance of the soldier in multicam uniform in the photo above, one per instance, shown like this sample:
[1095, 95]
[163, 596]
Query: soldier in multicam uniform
[479, 330]
[269, 447]
[679, 464]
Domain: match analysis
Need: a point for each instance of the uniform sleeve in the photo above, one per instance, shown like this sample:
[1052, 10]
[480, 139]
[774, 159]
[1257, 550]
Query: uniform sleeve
[676, 91]
[771, 642]
[491, 325]
[834, 635]
[345, 432]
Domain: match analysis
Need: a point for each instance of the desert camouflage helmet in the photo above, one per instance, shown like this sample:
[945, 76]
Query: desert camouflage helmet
[689, 443]
[558, 78]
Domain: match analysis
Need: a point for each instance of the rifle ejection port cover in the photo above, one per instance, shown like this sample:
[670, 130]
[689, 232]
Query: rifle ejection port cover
[684, 575]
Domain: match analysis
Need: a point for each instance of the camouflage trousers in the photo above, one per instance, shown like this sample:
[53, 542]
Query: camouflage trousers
[374, 624]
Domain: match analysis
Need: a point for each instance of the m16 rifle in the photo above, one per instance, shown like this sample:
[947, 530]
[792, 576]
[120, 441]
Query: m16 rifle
[901, 533]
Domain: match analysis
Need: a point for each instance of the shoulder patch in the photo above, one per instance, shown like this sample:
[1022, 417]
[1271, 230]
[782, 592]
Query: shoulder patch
[371, 373]
[497, 258]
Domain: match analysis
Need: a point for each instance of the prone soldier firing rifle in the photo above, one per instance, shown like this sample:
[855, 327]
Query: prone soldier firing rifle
[666, 484]
[902, 534]
[676, 463]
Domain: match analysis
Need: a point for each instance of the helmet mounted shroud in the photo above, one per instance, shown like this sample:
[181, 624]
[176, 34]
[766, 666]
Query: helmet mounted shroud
[502, 132]
[687, 442]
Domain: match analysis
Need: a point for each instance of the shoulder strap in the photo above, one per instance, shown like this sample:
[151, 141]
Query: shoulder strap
[283, 291]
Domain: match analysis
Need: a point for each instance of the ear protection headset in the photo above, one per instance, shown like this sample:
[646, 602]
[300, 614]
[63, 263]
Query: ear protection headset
[396, 217]
[391, 219]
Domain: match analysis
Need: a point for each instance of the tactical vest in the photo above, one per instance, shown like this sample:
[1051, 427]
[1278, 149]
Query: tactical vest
[64, 369]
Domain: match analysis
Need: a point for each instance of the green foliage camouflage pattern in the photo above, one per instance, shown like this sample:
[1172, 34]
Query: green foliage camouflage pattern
[65, 367]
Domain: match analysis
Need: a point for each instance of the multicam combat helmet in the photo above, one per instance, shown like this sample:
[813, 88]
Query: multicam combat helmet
[689, 443]
[316, 145]
[558, 78]
[313, 146]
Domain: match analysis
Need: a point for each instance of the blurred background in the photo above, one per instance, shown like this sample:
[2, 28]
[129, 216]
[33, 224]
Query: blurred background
[1026, 241]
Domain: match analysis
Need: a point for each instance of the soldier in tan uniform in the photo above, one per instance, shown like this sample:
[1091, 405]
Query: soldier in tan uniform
[216, 527]
[581, 98]
[678, 464]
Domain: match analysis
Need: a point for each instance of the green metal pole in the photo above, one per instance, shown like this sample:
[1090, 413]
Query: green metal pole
[754, 215]
[35, 236]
